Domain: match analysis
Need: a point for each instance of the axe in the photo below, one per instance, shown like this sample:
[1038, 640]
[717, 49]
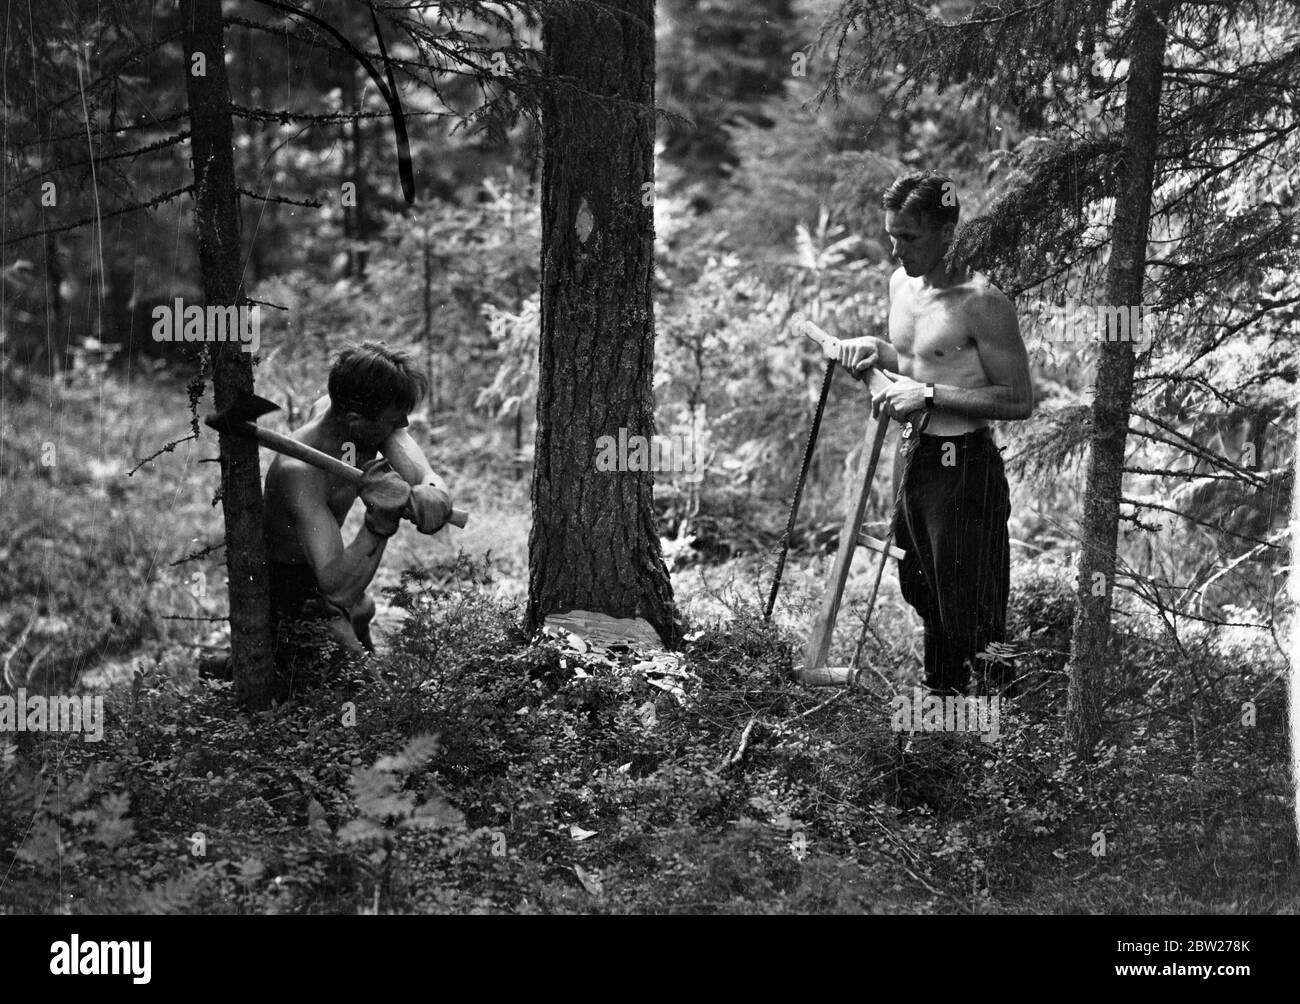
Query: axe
[240, 419]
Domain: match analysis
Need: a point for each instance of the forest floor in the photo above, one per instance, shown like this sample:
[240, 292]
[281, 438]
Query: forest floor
[499, 773]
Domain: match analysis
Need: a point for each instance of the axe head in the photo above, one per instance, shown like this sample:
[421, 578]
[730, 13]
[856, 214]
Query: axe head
[245, 408]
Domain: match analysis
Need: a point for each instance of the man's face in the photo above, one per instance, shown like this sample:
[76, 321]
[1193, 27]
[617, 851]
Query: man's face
[370, 433]
[919, 242]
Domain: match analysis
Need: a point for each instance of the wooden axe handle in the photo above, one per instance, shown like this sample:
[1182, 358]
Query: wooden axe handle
[331, 465]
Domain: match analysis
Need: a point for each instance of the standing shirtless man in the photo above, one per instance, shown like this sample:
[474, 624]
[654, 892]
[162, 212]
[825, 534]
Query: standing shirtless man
[955, 341]
[315, 574]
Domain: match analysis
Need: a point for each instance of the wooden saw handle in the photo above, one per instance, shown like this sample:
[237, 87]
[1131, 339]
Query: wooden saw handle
[830, 344]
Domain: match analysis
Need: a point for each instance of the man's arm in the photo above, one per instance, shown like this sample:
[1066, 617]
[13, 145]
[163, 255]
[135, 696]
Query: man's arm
[1009, 395]
[343, 573]
[430, 499]
[858, 355]
[401, 451]
[408, 460]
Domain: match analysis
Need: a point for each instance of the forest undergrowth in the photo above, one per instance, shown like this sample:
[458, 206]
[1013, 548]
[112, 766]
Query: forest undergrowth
[493, 772]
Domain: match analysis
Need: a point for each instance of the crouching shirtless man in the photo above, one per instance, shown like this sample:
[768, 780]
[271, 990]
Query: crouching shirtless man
[315, 576]
[954, 338]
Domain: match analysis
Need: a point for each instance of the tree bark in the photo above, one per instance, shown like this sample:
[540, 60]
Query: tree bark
[55, 349]
[216, 217]
[1113, 397]
[594, 544]
[426, 326]
[1293, 588]
[357, 254]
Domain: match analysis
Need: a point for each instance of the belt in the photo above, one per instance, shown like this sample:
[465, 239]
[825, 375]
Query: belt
[976, 437]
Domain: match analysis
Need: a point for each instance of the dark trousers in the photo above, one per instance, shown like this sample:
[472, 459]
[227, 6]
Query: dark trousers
[301, 643]
[953, 525]
[294, 593]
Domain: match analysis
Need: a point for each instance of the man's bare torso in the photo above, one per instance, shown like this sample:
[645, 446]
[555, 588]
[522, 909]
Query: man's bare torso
[286, 475]
[932, 332]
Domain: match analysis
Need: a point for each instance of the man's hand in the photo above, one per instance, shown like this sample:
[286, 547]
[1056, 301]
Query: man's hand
[901, 398]
[384, 494]
[431, 506]
[857, 355]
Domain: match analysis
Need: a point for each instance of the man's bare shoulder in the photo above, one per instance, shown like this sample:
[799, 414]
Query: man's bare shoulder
[985, 302]
[979, 286]
[293, 478]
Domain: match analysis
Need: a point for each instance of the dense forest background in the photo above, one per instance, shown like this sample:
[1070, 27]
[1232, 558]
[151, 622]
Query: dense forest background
[564, 779]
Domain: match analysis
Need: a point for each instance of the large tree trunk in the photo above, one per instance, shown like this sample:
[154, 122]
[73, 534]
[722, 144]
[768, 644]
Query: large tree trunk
[594, 544]
[216, 217]
[1293, 587]
[1114, 392]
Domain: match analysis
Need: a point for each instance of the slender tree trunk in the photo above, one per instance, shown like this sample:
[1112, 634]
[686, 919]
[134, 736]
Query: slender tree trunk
[426, 327]
[519, 442]
[360, 223]
[594, 544]
[256, 158]
[349, 211]
[56, 346]
[1113, 398]
[216, 217]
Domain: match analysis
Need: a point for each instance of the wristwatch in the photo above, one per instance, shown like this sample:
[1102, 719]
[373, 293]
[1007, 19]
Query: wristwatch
[929, 397]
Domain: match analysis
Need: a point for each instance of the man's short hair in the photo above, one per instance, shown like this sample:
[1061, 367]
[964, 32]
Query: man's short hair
[926, 194]
[370, 377]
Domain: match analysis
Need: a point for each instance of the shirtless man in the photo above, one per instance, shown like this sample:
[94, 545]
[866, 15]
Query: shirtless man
[954, 339]
[315, 576]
